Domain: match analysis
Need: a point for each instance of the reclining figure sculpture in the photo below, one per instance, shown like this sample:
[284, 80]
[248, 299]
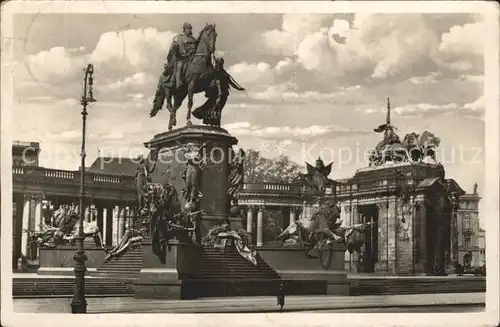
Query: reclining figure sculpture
[221, 235]
[65, 229]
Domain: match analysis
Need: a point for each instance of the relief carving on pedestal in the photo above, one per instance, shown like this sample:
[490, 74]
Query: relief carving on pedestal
[404, 222]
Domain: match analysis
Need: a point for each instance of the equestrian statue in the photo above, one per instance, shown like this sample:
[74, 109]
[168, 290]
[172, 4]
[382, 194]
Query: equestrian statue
[325, 228]
[189, 70]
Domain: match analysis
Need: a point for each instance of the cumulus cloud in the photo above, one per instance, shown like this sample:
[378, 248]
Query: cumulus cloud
[431, 78]
[475, 108]
[136, 49]
[261, 75]
[55, 65]
[377, 45]
[287, 92]
[287, 134]
[294, 28]
[136, 80]
[462, 48]
[422, 108]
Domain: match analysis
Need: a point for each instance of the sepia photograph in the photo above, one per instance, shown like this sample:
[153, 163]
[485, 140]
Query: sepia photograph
[249, 158]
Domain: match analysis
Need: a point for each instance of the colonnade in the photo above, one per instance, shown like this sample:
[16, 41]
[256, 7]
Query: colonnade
[259, 212]
[33, 213]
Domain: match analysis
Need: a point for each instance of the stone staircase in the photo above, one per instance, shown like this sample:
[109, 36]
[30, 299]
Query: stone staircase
[43, 287]
[226, 273]
[126, 266]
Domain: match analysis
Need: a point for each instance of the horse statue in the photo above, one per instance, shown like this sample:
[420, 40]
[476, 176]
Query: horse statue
[325, 224]
[196, 77]
[429, 144]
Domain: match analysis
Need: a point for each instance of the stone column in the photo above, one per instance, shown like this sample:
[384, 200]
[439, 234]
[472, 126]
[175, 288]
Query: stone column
[116, 213]
[100, 222]
[121, 222]
[87, 213]
[25, 224]
[293, 215]
[109, 225]
[132, 218]
[38, 213]
[104, 225]
[260, 226]
[249, 219]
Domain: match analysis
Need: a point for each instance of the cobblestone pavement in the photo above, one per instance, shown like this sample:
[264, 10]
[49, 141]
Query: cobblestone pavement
[259, 304]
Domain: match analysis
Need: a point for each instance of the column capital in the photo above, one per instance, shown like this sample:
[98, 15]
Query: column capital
[382, 205]
[347, 209]
[261, 208]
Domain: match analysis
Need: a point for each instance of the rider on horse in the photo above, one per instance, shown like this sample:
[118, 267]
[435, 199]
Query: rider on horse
[186, 45]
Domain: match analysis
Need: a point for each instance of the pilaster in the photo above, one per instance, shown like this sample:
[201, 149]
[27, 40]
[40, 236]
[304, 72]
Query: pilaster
[383, 236]
[392, 234]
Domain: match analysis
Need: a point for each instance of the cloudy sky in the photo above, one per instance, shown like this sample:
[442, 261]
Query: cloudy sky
[316, 84]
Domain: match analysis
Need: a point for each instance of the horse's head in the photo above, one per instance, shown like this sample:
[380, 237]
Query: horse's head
[208, 36]
[411, 139]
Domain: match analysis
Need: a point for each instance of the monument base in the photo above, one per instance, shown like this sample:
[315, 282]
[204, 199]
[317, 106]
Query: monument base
[213, 145]
[159, 280]
[59, 260]
[295, 268]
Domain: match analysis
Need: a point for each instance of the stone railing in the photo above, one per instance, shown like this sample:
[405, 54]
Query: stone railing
[273, 187]
[68, 176]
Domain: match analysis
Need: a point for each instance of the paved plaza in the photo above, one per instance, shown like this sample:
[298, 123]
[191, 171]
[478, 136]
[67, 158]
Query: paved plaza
[462, 302]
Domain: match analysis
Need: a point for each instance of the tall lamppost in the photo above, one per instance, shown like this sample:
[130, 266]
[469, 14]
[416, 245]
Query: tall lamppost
[79, 304]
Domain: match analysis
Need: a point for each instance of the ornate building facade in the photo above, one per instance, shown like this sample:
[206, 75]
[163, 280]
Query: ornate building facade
[470, 236]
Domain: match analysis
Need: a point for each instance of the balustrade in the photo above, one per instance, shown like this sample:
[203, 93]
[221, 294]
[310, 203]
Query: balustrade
[18, 170]
[273, 187]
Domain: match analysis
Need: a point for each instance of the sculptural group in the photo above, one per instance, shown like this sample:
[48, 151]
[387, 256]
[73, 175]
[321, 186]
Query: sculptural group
[64, 229]
[414, 147]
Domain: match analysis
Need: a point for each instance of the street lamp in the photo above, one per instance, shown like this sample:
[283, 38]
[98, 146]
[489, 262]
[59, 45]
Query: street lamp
[79, 304]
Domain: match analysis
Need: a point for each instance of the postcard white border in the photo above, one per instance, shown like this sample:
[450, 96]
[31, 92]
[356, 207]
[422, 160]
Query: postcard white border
[490, 202]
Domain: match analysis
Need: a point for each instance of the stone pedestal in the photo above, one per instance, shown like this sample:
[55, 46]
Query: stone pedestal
[293, 266]
[171, 163]
[59, 260]
[164, 281]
